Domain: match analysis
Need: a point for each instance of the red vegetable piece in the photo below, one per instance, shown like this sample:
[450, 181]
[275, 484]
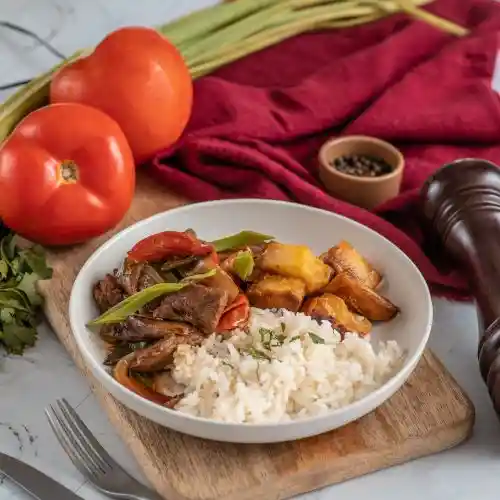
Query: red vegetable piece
[122, 375]
[236, 314]
[161, 246]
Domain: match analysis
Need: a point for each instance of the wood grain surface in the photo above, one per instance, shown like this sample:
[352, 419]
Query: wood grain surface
[429, 414]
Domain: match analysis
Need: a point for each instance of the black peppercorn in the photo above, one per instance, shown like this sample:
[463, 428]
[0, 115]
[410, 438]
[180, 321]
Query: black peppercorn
[362, 165]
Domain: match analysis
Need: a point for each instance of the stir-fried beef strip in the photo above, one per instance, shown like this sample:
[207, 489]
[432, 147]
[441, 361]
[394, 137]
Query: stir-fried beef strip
[143, 329]
[119, 351]
[160, 355]
[256, 250]
[198, 305]
[108, 292]
[150, 328]
[117, 333]
[179, 262]
[129, 277]
[138, 275]
[138, 331]
[149, 277]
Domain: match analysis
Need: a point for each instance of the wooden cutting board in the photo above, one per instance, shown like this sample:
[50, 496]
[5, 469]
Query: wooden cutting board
[429, 414]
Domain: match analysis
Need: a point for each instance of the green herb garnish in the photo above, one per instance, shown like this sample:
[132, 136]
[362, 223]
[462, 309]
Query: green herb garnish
[242, 239]
[280, 339]
[258, 354]
[266, 334]
[316, 338]
[269, 338]
[20, 269]
[121, 311]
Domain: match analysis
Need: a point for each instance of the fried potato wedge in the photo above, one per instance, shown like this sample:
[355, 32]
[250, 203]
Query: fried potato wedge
[331, 306]
[361, 298]
[273, 291]
[344, 258]
[295, 261]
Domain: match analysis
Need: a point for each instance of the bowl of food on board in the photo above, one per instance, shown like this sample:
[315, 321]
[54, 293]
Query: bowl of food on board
[250, 321]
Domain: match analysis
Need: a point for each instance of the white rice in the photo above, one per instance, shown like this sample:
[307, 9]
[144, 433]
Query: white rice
[286, 374]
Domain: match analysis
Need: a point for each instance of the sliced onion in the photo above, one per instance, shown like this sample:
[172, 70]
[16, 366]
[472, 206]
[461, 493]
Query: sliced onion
[165, 384]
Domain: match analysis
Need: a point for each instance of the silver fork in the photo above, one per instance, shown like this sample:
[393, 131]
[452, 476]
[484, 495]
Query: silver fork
[90, 458]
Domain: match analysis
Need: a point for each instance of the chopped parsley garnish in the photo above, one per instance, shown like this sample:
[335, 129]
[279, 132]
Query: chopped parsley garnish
[316, 338]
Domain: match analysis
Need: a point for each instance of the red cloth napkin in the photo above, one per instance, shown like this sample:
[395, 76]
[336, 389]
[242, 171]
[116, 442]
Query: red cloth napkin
[257, 124]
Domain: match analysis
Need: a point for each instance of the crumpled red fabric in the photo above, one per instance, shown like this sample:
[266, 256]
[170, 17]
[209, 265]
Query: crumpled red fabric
[258, 123]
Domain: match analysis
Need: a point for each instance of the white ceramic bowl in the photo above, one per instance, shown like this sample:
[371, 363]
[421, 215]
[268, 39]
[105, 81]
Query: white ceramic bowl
[289, 223]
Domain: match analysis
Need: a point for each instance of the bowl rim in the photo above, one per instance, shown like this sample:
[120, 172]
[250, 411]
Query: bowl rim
[330, 170]
[96, 366]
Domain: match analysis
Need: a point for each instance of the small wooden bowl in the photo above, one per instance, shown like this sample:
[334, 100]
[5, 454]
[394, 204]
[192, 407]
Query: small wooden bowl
[366, 192]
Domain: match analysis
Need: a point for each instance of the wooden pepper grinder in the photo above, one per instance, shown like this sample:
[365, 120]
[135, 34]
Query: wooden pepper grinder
[461, 205]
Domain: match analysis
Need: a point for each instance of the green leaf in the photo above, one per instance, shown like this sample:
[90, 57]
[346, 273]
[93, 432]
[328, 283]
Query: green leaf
[27, 318]
[10, 283]
[121, 311]
[258, 354]
[20, 269]
[15, 265]
[34, 258]
[28, 286]
[14, 299]
[241, 239]
[244, 264]
[280, 340]
[7, 315]
[16, 338]
[316, 338]
[6, 251]
[4, 269]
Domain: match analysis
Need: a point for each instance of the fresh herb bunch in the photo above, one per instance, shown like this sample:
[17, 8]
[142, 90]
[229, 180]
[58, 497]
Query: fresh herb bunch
[20, 269]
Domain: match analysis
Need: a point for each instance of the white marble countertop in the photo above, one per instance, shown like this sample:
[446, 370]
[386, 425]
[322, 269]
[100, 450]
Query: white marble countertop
[28, 384]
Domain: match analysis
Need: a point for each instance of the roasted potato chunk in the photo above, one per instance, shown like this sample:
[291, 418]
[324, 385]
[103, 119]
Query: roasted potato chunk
[331, 306]
[295, 261]
[344, 258]
[274, 291]
[361, 298]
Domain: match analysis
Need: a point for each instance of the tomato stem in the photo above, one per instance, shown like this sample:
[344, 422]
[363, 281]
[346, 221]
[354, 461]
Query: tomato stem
[69, 171]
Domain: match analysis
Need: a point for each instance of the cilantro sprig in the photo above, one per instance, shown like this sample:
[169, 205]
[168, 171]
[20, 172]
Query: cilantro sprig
[20, 269]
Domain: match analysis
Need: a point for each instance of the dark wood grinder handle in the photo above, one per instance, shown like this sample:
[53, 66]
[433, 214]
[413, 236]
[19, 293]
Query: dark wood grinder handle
[461, 206]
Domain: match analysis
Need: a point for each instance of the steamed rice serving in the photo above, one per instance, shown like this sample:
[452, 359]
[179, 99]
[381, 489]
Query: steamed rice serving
[286, 366]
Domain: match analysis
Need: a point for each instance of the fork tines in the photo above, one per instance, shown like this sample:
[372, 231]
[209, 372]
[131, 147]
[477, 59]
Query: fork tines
[87, 455]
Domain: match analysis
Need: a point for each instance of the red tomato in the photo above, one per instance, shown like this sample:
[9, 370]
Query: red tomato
[139, 78]
[67, 174]
[236, 314]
